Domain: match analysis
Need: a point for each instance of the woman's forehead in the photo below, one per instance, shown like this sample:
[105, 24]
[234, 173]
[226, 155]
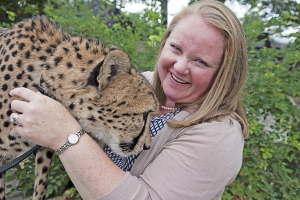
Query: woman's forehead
[194, 35]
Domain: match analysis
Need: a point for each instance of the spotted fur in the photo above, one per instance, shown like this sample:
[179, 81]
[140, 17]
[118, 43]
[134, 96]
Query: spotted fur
[99, 86]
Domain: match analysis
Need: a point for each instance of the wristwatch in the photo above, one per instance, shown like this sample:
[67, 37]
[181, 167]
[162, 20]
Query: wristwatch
[73, 138]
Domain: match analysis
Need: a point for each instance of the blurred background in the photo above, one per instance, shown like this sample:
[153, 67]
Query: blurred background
[271, 96]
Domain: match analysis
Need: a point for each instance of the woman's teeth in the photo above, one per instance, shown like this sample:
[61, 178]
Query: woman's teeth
[178, 80]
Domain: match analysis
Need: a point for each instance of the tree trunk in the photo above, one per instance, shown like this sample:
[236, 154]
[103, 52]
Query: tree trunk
[164, 11]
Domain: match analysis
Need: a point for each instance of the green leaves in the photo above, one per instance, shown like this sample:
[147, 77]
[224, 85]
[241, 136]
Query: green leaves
[128, 31]
[271, 154]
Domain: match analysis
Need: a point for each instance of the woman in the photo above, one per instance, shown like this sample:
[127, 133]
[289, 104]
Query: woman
[199, 76]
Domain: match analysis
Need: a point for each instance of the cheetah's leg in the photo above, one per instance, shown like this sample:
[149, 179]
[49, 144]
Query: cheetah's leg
[2, 183]
[42, 164]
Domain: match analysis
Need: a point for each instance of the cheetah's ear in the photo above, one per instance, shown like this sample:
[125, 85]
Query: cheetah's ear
[115, 63]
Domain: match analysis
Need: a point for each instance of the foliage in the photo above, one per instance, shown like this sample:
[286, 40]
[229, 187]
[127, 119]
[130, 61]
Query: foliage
[11, 17]
[278, 7]
[57, 183]
[163, 4]
[25, 174]
[130, 32]
[272, 151]
[21, 9]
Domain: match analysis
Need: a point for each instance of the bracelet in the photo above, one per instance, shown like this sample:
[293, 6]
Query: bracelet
[72, 139]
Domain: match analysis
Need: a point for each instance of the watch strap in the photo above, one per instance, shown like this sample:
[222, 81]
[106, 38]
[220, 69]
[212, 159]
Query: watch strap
[67, 144]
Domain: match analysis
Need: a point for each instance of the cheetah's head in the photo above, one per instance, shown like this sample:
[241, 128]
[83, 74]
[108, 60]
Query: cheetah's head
[118, 106]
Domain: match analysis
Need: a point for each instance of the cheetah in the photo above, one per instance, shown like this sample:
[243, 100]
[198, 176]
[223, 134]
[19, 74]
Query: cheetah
[110, 99]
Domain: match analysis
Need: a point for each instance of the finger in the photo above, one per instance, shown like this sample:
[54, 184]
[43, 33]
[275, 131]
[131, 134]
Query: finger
[13, 110]
[16, 119]
[23, 93]
[18, 106]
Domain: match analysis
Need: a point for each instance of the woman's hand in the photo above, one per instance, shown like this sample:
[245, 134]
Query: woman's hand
[41, 119]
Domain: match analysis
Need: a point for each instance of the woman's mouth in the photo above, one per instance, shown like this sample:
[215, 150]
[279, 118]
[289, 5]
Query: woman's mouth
[178, 80]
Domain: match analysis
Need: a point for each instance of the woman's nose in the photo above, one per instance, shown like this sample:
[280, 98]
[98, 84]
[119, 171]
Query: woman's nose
[181, 66]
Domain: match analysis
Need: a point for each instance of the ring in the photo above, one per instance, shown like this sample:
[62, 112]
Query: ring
[14, 119]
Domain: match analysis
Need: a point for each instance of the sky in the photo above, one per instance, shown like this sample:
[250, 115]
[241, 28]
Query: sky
[176, 5]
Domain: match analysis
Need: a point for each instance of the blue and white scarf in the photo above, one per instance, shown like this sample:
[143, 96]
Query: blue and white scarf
[126, 163]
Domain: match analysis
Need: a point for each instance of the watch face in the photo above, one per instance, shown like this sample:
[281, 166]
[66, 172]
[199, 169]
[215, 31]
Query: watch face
[73, 138]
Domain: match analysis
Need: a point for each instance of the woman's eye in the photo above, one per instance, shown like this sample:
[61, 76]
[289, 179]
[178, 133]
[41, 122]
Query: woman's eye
[176, 48]
[201, 62]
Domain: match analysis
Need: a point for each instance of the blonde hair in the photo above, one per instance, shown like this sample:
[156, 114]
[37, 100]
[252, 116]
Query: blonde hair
[224, 96]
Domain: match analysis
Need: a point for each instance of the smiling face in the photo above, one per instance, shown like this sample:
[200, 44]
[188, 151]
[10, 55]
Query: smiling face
[189, 60]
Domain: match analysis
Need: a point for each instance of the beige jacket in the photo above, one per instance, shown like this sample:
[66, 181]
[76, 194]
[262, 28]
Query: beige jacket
[188, 163]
